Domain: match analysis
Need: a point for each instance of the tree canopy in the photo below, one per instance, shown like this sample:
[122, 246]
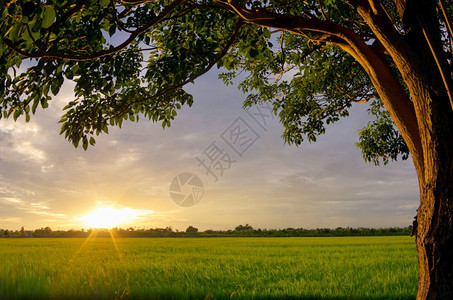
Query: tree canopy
[131, 59]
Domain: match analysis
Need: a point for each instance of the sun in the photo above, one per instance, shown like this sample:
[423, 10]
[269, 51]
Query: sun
[109, 217]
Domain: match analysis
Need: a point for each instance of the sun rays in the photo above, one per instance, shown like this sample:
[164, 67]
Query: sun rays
[106, 218]
[109, 217]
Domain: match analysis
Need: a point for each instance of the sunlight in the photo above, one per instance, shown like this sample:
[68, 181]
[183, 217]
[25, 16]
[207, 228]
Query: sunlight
[109, 217]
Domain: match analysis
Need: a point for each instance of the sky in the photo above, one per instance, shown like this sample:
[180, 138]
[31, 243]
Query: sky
[246, 171]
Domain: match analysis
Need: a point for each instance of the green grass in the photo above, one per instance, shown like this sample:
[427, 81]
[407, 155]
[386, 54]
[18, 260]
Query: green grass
[219, 268]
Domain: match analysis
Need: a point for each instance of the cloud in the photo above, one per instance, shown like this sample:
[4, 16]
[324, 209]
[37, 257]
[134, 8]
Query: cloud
[10, 220]
[34, 208]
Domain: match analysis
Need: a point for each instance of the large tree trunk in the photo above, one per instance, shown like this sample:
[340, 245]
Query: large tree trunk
[435, 247]
[434, 236]
[424, 71]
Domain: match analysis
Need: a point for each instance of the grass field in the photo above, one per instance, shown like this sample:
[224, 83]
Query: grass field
[213, 268]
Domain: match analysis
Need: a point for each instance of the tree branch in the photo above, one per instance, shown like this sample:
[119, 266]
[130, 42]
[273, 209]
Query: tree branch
[387, 85]
[66, 16]
[404, 59]
[103, 53]
[436, 55]
[194, 76]
[322, 10]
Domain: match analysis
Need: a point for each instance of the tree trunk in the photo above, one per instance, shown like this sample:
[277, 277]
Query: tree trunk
[434, 236]
[426, 81]
[435, 246]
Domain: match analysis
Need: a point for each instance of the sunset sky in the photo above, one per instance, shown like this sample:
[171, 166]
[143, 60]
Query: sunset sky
[45, 181]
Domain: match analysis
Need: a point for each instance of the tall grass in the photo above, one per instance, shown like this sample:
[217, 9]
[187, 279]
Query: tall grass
[215, 268]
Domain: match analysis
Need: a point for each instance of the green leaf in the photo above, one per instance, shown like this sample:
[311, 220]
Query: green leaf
[104, 2]
[16, 114]
[69, 74]
[55, 87]
[49, 17]
[36, 27]
[44, 103]
[14, 33]
[253, 53]
[34, 106]
[105, 128]
[75, 70]
[85, 143]
[26, 36]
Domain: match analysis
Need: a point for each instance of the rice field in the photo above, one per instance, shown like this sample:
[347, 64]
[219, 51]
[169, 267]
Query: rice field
[209, 268]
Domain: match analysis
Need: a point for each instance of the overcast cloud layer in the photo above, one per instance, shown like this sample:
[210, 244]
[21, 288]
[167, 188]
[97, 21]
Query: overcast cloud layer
[44, 181]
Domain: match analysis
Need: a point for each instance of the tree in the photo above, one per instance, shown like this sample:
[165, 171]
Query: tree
[191, 229]
[312, 59]
[22, 231]
[42, 232]
[242, 228]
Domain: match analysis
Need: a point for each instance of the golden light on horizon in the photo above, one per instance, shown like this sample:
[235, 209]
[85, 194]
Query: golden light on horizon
[109, 217]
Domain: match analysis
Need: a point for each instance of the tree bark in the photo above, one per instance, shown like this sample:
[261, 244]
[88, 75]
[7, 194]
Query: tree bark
[429, 91]
[434, 236]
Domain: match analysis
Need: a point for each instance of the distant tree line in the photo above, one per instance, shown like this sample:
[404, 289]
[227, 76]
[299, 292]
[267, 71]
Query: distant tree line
[240, 231]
